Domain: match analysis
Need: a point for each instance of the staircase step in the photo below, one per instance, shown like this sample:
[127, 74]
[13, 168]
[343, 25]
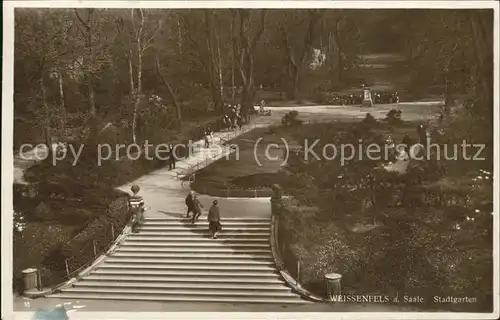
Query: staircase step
[209, 267]
[197, 244]
[182, 286]
[185, 292]
[186, 224]
[189, 273]
[196, 239]
[191, 233]
[200, 249]
[181, 280]
[192, 256]
[157, 260]
[235, 219]
[175, 298]
[198, 228]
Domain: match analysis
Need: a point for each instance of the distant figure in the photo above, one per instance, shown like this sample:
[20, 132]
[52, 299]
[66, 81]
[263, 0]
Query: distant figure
[207, 138]
[171, 157]
[441, 117]
[197, 206]
[136, 207]
[422, 133]
[407, 142]
[190, 204]
[214, 224]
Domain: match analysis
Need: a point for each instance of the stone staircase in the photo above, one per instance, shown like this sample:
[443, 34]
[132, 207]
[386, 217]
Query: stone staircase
[174, 260]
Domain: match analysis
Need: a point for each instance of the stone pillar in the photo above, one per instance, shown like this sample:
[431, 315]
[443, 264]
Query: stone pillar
[276, 200]
[32, 285]
[367, 98]
[30, 277]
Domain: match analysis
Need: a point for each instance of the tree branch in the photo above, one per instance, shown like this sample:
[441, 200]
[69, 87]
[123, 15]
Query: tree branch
[261, 30]
[87, 26]
[148, 42]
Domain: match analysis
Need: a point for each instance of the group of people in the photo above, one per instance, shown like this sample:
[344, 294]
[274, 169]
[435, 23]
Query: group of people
[423, 134]
[384, 97]
[345, 99]
[194, 206]
[232, 118]
[381, 97]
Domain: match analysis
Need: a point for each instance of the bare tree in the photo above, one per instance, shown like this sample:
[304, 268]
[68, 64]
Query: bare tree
[246, 44]
[173, 96]
[142, 44]
[296, 50]
[88, 57]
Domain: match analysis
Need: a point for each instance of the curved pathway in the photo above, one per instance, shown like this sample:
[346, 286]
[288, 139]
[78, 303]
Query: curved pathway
[164, 195]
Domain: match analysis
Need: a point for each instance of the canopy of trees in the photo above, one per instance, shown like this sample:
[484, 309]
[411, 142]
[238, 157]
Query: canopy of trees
[84, 67]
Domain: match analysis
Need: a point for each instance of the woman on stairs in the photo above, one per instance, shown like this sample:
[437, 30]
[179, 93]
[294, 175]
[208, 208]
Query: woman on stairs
[214, 224]
[189, 203]
[197, 206]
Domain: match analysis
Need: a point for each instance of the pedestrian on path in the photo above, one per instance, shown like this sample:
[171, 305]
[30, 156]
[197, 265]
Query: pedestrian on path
[214, 225]
[189, 204]
[171, 157]
[197, 206]
[207, 138]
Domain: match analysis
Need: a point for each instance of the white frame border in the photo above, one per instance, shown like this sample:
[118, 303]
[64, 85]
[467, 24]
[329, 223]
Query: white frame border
[7, 154]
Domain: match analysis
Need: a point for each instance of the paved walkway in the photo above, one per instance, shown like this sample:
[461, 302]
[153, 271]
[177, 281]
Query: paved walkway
[163, 191]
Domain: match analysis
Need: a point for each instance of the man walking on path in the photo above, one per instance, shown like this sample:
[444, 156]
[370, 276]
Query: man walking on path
[197, 206]
[189, 204]
[214, 225]
[171, 157]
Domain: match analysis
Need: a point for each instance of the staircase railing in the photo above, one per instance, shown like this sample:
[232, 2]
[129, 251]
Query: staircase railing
[284, 261]
[97, 249]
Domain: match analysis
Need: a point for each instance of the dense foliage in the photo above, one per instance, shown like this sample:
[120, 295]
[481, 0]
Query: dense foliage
[428, 231]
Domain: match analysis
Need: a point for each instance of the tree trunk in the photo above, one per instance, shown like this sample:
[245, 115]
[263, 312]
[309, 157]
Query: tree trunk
[134, 120]
[131, 74]
[232, 58]
[178, 107]
[138, 92]
[61, 91]
[293, 76]
[62, 102]
[88, 59]
[90, 75]
[46, 118]
[91, 98]
[296, 62]
[483, 50]
[212, 64]
[179, 35]
[247, 48]
[338, 49]
[219, 64]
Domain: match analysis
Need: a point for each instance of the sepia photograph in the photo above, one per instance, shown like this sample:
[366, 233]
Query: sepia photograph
[267, 158]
